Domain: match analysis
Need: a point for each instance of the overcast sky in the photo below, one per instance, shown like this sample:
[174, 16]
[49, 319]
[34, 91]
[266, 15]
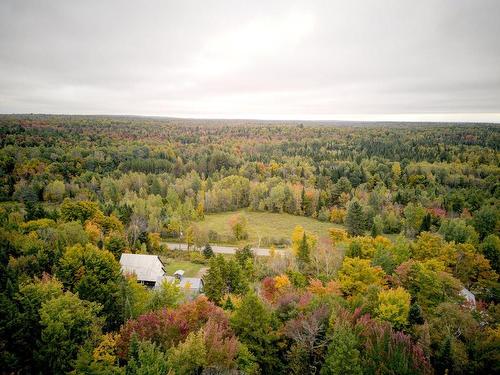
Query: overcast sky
[380, 59]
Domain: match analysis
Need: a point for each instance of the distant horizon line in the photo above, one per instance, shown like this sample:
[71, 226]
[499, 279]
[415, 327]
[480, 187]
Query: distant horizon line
[483, 118]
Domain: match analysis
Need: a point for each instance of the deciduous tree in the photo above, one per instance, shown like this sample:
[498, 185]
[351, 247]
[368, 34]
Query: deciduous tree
[356, 275]
[96, 276]
[394, 306]
[67, 322]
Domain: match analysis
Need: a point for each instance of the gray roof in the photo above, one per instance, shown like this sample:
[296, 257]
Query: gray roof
[469, 296]
[145, 267]
[194, 283]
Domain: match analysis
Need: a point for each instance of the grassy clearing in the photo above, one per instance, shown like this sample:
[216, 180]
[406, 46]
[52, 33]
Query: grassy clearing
[264, 224]
[190, 269]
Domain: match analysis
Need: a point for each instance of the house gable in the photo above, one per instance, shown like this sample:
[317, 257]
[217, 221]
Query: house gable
[147, 268]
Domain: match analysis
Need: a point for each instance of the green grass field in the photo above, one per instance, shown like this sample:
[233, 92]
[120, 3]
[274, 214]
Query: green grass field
[190, 269]
[265, 224]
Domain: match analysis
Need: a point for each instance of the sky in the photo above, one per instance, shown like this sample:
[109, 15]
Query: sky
[428, 60]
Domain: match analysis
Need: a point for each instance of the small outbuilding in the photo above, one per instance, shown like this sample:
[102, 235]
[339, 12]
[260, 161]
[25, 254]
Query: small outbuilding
[191, 285]
[469, 296]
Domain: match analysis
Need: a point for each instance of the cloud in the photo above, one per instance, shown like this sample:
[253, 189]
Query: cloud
[279, 59]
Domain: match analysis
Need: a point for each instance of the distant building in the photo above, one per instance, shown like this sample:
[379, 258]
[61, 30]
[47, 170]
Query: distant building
[469, 297]
[147, 268]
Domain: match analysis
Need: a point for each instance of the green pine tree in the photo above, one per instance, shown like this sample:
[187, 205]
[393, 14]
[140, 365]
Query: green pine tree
[426, 223]
[133, 351]
[444, 360]
[303, 252]
[228, 305]
[253, 323]
[244, 254]
[303, 205]
[214, 284]
[415, 314]
[207, 251]
[234, 278]
[355, 219]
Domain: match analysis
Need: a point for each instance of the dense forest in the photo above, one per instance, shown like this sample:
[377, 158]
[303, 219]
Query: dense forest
[406, 282]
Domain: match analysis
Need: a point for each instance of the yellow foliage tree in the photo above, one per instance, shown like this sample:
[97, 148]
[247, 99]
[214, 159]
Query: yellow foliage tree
[282, 282]
[93, 231]
[396, 171]
[298, 234]
[108, 223]
[189, 236]
[366, 246]
[239, 226]
[234, 298]
[200, 210]
[382, 241]
[337, 215]
[106, 350]
[137, 297]
[433, 246]
[473, 269]
[394, 306]
[317, 287]
[344, 199]
[337, 235]
[154, 241]
[357, 274]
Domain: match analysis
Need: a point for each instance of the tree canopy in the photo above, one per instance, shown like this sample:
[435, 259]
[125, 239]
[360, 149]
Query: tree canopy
[402, 279]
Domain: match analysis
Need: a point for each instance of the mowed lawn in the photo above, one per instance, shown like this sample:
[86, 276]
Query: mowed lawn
[190, 269]
[265, 224]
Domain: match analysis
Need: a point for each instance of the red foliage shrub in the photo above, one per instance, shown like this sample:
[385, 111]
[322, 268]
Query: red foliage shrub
[168, 327]
[221, 343]
[437, 212]
[269, 289]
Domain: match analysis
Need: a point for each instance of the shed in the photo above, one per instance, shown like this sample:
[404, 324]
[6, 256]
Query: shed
[469, 296]
[192, 285]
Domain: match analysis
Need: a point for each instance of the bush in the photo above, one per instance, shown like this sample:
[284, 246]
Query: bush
[213, 236]
[197, 257]
[337, 215]
[55, 191]
[280, 242]
[324, 214]
[392, 222]
[239, 226]
[178, 254]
